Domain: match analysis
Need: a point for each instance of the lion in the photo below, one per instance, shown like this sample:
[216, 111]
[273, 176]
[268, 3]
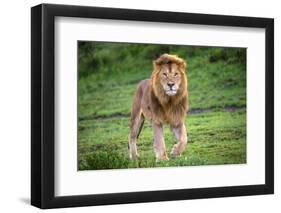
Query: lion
[162, 99]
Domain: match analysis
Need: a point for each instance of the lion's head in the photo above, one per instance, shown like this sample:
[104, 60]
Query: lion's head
[168, 77]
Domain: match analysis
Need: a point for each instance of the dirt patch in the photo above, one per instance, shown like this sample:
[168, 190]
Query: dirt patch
[191, 112]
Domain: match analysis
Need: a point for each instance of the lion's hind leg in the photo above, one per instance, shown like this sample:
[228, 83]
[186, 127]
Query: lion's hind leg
[136, 127]
[137, 120]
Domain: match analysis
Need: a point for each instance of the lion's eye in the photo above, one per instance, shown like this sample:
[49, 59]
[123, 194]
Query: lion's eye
[176, 74]
[165, 75]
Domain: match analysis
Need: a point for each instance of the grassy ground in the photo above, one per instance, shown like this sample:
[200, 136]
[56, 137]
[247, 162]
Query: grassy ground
[216, 123]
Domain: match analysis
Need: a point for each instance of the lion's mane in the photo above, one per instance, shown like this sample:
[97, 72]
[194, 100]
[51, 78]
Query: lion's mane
[165, 108]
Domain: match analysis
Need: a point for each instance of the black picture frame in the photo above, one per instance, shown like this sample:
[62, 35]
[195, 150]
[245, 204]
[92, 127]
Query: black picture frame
[43, 105]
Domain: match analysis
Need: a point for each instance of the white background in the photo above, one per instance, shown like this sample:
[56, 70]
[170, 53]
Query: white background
[70, 182]
[15, 106]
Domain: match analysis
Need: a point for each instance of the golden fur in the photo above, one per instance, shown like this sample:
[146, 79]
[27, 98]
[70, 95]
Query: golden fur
[163, 100]
[172, 108]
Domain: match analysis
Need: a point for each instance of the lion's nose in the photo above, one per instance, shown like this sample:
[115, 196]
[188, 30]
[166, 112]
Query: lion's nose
[171, 85]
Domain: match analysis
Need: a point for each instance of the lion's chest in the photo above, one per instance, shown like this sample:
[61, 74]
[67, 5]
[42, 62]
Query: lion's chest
[168, 115]
[163, 112]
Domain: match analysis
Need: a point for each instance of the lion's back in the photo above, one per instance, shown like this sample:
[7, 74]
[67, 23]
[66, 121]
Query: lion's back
[143, 87]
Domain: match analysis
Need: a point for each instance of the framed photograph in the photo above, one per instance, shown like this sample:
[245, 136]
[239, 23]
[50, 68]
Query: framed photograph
[139, 106]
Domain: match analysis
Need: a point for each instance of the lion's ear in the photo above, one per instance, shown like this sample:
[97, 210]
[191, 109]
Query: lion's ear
[158, 61]
[183, 64]
[156, 64]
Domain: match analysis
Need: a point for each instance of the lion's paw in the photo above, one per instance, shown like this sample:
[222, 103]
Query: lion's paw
[134, 156]
[162, 158]
[175, 151]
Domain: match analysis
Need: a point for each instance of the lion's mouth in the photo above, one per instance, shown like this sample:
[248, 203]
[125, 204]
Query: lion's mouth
[171, 92]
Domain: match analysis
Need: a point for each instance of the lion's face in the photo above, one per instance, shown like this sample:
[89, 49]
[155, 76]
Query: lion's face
[170, 78]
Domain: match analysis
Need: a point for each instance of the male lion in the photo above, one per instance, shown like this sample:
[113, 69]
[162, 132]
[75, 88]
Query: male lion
[163, 100]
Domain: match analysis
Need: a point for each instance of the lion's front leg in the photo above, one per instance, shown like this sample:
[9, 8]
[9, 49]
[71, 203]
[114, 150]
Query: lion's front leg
[159, 144]
[180, 133]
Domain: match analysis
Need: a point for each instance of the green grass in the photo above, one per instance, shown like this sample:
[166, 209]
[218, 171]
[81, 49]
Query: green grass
[108, 74]
[214, 138]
